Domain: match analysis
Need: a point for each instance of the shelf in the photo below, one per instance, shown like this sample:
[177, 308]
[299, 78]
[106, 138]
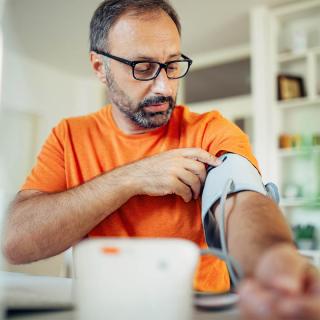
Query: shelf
[302, 151]
[285, 57]
[300, 202]
[296, 9]
[290, 56]
[299, 102]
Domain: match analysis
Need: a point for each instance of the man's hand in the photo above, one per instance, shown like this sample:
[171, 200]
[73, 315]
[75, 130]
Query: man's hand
[284, 286]
[179, 171]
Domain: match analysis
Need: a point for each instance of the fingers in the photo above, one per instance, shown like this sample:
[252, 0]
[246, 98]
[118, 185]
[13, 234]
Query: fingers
[160, 174]
[199, 154]
[301, 307]
[257, 302]
[182, 190]
[191, 171]
[285, 286]
[312, 279]
[197, 168]
[288, 280]
[192, 181]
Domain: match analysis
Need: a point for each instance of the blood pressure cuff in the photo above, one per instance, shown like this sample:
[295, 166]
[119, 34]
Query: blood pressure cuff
[245, 177]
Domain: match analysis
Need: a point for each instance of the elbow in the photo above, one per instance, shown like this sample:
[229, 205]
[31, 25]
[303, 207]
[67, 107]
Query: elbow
[11, 249]
[17, 241]
[9, 252]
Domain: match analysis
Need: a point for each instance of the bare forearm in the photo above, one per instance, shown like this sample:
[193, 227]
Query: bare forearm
[254, 223]
[47, 224]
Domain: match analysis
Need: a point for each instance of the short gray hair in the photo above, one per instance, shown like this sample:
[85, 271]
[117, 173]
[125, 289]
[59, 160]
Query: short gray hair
[109, 11]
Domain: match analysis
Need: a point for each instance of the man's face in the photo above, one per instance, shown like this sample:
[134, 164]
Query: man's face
[153, 36]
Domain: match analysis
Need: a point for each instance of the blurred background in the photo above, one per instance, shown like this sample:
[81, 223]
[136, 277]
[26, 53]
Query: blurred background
[256, 61]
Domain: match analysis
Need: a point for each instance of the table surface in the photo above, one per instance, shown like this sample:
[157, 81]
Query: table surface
[62, 288]
[70, 315]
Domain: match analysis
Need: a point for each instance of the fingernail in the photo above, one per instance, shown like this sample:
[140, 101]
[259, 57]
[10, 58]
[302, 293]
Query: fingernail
[218, 162]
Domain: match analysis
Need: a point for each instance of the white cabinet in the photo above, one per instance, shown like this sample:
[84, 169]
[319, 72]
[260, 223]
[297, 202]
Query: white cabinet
[286, 41]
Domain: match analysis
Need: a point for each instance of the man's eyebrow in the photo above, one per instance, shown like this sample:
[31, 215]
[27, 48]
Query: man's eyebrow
[149, 58]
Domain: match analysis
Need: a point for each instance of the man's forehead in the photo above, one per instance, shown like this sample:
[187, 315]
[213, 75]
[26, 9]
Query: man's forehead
[149, 35]
[139, 55]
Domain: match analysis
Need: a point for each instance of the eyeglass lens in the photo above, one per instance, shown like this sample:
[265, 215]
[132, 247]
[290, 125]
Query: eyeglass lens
[148, 70]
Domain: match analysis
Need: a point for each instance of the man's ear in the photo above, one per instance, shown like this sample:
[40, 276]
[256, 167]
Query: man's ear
[98, 66]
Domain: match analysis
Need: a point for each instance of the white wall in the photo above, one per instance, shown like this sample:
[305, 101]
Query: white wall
[35, 97]
[47, 93]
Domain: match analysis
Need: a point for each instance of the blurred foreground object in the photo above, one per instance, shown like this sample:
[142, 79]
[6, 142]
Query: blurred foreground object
[135, 278]
[2, 183]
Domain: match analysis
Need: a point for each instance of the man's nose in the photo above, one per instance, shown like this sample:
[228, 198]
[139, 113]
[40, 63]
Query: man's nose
[162, 85]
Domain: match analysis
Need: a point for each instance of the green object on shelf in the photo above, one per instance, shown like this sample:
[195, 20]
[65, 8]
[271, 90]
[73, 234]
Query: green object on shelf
[304, 232]
[305, 236]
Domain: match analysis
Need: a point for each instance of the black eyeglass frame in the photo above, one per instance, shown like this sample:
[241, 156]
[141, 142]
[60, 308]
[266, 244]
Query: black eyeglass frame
[164, 66]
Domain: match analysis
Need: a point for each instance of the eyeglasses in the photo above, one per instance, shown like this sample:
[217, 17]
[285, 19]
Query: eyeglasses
[144, 70]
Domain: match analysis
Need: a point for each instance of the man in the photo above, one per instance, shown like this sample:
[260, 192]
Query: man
[136, 167]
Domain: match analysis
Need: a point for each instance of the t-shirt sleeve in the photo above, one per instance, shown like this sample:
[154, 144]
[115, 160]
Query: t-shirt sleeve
[48, 174]
[223, 136]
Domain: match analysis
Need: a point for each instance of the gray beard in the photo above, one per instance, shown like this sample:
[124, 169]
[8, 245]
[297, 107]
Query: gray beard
[148, 120]
[137, 114]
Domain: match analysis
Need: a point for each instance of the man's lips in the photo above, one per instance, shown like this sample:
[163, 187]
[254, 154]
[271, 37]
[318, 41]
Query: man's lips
[157, 107]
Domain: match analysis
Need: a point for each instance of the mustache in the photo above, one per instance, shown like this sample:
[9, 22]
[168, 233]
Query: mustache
[156, 100]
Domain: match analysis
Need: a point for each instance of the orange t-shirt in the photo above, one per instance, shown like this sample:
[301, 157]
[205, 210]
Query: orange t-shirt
[81, 148]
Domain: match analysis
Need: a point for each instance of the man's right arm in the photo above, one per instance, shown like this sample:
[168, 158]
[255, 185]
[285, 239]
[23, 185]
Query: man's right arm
[41, 225]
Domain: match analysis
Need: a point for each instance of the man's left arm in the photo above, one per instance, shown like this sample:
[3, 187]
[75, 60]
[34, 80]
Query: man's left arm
[279, 283]
[253, 223]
